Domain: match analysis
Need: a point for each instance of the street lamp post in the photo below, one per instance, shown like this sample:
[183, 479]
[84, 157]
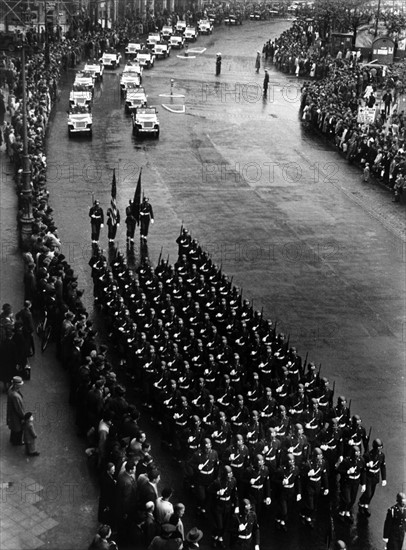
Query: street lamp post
[377, 19]
[26, 217]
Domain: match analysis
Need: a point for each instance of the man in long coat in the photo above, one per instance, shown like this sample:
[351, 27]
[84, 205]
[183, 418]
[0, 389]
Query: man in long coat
[15, 411]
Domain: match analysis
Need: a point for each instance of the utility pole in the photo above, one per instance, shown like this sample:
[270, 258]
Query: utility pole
[377, 19]
[26, 217]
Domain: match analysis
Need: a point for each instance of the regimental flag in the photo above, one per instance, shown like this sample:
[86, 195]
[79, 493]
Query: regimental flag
[113, 204]
[137, 200]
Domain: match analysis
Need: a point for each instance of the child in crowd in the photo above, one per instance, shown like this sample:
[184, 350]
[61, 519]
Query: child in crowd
[29, 435]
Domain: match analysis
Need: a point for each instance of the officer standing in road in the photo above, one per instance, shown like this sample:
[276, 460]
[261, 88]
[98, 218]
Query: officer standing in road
[218, 64]
[258, 62]
[96, 215]
[146, 216]
[130, 222]
[266, 83]
[395, 524]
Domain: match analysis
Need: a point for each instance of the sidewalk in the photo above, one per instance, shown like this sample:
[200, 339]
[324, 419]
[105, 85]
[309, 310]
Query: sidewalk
[48, 501]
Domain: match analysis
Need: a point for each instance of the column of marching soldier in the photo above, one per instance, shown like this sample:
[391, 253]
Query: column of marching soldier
[250, 422]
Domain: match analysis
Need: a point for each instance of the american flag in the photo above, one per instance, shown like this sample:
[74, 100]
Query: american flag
[113, 204]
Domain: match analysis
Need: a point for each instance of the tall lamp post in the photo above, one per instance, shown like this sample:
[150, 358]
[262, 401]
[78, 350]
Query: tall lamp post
[26, 217]
[378, 12]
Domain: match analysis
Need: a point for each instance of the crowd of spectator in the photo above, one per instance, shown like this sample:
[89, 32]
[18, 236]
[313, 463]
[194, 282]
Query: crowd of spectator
[339, 90]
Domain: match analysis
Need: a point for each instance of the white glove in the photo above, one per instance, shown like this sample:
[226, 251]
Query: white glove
[232, 456]
[384, 483]
[190, 438]
[325, 493]
[385, 540]
[102, 225]
[363, 488]
[298, 498]
[242, 526]
[152, 221]
[285, 481]
[351, 470]
[324, 447]
[252, 481]
[118, 225]
[237, 510]
[221, 492]
[311, 473]
[268, 501]
[200, 466]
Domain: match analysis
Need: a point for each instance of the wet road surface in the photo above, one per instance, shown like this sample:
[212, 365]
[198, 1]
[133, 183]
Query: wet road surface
[282, 213]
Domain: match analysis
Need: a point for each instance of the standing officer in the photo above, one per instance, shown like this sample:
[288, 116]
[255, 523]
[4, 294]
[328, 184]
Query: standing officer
[218, 64]
[375, 466]
[96, 215]
[146, 216]
[395, 524]
[266, 83]
[130, 222]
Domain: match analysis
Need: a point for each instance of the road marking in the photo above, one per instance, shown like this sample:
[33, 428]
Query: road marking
[186, 56]
[171, 95]
[179, 109]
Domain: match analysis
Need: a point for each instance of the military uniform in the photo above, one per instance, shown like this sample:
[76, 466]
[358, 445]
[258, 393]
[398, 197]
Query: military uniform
[96, 215]
[395, 524]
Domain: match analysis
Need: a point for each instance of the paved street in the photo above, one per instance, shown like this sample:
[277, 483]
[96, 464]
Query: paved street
[287, 218]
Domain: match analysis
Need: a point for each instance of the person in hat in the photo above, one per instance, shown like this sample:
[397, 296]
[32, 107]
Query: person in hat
[192, 538]
[15, 411]
[29, 435]
[130, 222]
[169, 539]
[102, 540]
[146, 216]
[96, 215]
[258, 61]
[395, 524]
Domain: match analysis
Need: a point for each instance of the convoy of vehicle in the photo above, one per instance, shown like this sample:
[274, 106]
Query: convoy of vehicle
[80, 120]
[145, 122]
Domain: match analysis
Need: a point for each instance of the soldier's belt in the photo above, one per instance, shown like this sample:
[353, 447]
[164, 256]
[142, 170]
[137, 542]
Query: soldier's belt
[245, 537]
[374, 471]
[297, 453]
[290, 486]
[193, 447]
[257, 486]
[224, 499]
[236, 465]
[354, 477]
[237, 423]
[181, 423]
[208, 472]
[315, 479]
[220, 441]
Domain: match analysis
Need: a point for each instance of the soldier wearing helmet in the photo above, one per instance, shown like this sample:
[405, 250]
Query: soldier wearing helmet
[288, 489]
[375, 466]
[314, 482]
[224, 489]
[355, 435]
[352, 475]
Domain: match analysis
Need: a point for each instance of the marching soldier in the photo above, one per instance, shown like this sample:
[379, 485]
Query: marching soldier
[352, 474]
[205, 464]
[258, 488]
[288, 483]
[237, 456]
[146, 216]
[96, 215]
[395, 524]
[375, 466]
[341, 412]
[314, 481]
[245, 528]
[355, 435]
[298, 445]
[221, 434]
[313, 420]
[225, 501]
